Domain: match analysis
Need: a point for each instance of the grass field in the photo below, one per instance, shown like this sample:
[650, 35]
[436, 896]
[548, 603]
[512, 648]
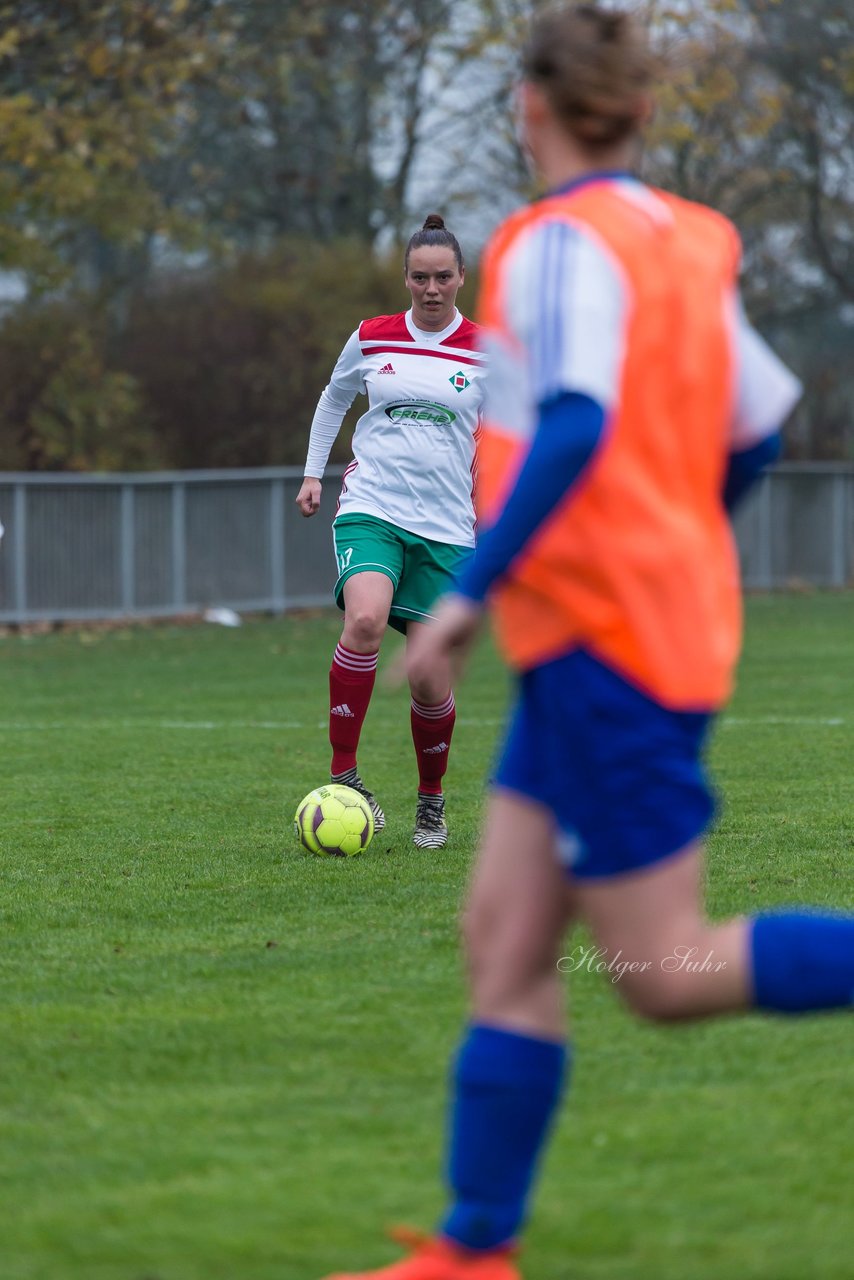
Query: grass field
[223, 1059]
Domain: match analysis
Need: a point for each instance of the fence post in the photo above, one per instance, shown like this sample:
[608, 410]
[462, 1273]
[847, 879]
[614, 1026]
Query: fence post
[277, 546]
[127, 562]
[837, 543]
[19, 562]
[179, 545]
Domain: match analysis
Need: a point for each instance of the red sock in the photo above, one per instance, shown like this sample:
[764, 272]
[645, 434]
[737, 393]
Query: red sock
[432, 729]
[351, 683]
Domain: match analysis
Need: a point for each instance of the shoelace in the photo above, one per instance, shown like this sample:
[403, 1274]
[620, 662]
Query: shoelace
[430, 815]
[357, 785]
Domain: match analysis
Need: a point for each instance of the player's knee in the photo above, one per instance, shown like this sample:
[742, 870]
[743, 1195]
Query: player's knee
[426, 683]
[364, 628]
[426, 687]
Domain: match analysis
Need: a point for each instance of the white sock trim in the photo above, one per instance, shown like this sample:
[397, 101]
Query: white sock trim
[434, 713]
[358, 662]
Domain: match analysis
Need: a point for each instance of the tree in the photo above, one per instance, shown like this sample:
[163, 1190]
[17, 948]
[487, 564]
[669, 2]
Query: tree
[62, 407]
[325, 113]
[93, 97]
[134, 132]
[811, 52]
[759, 121]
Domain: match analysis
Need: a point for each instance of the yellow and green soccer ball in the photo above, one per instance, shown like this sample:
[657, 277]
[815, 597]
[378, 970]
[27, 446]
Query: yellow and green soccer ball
[334, 821]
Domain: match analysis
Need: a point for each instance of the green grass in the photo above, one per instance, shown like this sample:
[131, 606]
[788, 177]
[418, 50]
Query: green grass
[222, 1059]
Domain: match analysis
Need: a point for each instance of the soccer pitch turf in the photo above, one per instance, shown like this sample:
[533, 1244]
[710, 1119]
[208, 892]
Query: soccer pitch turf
[224, 1059]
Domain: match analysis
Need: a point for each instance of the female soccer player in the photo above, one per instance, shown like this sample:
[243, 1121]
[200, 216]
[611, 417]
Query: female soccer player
[405, 518]
[629, 404]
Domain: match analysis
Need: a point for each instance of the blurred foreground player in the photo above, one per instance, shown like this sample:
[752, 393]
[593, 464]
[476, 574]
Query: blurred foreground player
[629, 405]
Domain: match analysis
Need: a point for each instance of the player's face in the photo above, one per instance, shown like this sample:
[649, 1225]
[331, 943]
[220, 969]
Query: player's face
[433, 279]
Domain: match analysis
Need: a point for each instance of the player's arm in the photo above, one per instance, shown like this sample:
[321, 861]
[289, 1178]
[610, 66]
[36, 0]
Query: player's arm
[746, 466]
[335, 399]
[568, 301]
[766, 393]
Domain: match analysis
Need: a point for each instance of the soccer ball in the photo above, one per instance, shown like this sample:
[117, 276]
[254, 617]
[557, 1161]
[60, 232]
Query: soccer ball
[334, 821]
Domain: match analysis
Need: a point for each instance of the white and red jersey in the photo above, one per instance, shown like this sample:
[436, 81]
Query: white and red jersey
[414, 447]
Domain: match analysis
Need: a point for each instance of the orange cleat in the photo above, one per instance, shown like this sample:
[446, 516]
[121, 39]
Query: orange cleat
[432, 1258]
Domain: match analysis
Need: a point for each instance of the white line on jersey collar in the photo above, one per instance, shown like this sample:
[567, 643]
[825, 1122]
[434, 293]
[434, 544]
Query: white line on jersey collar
[423, 335]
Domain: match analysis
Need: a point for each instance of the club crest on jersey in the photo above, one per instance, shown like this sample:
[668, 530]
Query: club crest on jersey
[459, 381]
[426, 411]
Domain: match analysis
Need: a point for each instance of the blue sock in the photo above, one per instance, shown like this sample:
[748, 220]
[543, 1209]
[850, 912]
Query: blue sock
[803, 961]
[506, 1087]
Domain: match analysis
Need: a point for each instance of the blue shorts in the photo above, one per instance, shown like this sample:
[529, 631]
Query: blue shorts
[622, 774]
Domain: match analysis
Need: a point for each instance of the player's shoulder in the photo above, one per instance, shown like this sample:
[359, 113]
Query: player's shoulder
[389, 328]
[537, 230]
[468, 336]
[552, 241]
[703, 219]
[693, 208]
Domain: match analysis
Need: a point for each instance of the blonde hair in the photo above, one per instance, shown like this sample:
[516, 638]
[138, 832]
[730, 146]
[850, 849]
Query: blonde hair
[594, 66]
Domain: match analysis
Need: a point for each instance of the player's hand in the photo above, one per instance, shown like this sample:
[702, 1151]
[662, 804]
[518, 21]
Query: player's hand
[448, 637]
[308, 498]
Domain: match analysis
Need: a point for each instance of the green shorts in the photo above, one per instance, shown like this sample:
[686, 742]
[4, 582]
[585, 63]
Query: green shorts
[420, 569]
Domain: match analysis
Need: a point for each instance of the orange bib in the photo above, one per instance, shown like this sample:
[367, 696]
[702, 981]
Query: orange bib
[638, 563]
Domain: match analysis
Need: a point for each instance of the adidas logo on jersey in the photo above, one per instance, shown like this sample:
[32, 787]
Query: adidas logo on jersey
[343, 710]
[387, 368]
[435, 751]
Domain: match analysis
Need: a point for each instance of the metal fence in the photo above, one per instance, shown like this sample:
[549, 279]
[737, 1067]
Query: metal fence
[798, 528]
[161, 544]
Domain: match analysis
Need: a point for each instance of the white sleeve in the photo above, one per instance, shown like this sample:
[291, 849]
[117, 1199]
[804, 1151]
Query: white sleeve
[345, 384]
[766, 390]
[567, 303]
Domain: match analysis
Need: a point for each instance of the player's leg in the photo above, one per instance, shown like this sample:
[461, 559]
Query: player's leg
[793, 961]
[668, 961]
[511, 1066]
[432, 718]
[512, 1063]
[638, 869]
[369, 562]
[428, 572]
[367, 598]
[509, 1071]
